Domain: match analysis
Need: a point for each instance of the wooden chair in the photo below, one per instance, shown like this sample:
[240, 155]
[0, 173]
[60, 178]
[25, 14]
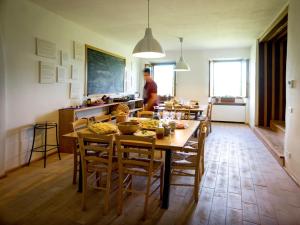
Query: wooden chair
[207, 117]
[145, 114]
[191, 158]
[100, 118]
[103, 162]
[77, 126]
[128, 148]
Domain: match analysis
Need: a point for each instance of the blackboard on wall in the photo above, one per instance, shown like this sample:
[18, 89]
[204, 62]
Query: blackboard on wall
[104, 72]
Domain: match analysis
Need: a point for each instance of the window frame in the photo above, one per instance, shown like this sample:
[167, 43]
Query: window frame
[165, 63]
[229, 60]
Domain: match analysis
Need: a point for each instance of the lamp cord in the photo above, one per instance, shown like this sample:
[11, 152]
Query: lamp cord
[148, 12]
[181, 39]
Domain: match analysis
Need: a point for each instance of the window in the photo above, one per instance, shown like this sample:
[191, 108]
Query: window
[228, 78]
[164, 76]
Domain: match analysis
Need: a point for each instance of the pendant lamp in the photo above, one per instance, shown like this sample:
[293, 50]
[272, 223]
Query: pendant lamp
[181, 65]
[148, 47]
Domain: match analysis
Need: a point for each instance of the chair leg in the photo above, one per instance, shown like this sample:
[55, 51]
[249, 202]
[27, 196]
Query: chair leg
[84, 184]
[75, 166]
[120, 194]
[32, 148]
[147, 198]
[196, 185]
[202, 165]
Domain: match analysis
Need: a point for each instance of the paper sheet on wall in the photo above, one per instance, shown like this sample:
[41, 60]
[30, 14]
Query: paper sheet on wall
[47, 72]
[64, 58]
[75, 73]
[78, 51]
[45, 48]
[75, 90]
[61, 74]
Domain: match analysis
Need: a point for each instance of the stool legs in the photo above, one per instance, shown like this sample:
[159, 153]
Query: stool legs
[45, 146]
[32, 148]
[44, 150]
[58, 148]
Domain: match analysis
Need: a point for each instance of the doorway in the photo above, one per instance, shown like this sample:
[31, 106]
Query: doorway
[272, 88]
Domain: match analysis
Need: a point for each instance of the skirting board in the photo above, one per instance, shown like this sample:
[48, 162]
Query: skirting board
[24, 164]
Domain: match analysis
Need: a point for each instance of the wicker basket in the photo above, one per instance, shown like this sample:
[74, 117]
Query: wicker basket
[121, 118]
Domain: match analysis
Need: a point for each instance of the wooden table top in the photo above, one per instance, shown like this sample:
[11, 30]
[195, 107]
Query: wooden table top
[201, 108]
[175, 141]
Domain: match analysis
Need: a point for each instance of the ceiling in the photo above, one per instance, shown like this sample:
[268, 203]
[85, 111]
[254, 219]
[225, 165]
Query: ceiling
[203, 23]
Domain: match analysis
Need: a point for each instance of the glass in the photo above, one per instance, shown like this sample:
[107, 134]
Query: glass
[172, 115]
[178, 115]
[165, 115]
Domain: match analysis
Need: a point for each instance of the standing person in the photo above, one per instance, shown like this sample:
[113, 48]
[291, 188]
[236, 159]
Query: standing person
[150, 91]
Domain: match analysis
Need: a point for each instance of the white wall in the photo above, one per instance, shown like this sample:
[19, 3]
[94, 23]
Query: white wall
[253, 81]
[194, 84]
[27, 100]
[2, 97]
[292, 141]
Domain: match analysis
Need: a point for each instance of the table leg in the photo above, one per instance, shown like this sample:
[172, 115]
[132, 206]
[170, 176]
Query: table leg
[80, 176]
[167, 176]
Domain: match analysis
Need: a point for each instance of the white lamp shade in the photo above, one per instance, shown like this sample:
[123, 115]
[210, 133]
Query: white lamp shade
[181, 65]
[148, 47]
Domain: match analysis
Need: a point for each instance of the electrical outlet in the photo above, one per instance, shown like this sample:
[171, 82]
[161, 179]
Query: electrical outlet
[290, 109]
[289, 155]
[292, 83]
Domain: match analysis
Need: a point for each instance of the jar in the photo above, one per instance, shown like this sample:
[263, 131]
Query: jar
[160, 132]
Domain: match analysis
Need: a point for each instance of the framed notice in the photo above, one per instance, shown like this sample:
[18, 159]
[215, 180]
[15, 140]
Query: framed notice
[47, 72]
[75, 90]
[74, 72]
[45, 48]
[61, 74]
[78, 51]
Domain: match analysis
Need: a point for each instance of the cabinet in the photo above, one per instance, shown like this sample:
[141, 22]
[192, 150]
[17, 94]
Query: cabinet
[68, 115]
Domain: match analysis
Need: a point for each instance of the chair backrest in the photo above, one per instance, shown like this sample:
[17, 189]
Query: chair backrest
[98, 144]
[80, 124]
[100, 118]
[145, 114]
[209, 110]
[128, 147]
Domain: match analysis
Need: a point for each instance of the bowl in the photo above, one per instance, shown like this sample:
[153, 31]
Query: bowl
[128, 127]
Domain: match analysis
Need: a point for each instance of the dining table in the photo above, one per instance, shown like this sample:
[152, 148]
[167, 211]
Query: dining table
[173, 142]
[197, 111]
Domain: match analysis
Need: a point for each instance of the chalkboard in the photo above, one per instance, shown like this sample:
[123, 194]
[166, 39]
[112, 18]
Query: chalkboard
[105, 72]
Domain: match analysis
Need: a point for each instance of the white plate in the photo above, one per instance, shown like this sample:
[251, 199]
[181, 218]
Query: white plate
[145, 133]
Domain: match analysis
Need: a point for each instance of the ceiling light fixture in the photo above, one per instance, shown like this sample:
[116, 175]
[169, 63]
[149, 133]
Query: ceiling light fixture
[181, 65]
[148, 47]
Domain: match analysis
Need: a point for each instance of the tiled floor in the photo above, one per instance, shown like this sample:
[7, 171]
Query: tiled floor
[243, 184]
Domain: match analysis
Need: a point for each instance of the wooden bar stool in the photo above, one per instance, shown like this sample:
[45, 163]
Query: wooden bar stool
[44, 126]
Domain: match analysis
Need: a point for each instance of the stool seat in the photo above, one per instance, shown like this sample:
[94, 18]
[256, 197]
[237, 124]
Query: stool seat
[44, 126]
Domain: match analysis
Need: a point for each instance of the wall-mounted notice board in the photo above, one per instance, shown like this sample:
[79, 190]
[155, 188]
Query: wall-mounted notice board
[105, 72]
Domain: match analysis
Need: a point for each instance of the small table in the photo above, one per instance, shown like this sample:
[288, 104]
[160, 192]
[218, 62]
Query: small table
[173, 142]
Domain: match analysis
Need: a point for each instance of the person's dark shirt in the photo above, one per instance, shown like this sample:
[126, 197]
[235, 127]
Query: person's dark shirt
[149, 89]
